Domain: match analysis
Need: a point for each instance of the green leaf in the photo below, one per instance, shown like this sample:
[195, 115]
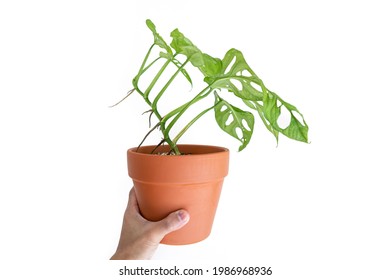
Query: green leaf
[260, 110]
[184, 46]
[207, 64]
[158, 40]
[297, 129]
[241, 121]
[211, 65]
[236, 76]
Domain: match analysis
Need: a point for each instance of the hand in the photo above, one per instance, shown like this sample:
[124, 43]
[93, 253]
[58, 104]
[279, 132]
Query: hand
[139, 237]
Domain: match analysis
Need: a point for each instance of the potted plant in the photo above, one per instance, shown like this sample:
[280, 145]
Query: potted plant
[169, 176]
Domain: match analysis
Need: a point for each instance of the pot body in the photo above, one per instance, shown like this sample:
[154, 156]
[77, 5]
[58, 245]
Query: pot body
[166, 183]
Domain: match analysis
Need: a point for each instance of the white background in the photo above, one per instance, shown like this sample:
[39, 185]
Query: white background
[311, 211]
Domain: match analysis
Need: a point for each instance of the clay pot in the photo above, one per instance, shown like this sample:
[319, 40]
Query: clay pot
[166, 183]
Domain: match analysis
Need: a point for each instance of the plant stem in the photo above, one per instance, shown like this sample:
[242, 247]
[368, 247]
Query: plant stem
[154, 104]
[141, 71]
[183, 108]
[180, 134]
[145, 59]
[154, 81]
[149, 65]
[178, 111]
[173, 146]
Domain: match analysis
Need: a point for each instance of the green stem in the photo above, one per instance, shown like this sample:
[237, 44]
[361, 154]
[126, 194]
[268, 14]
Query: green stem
[162, 127]
[145, 94]
[154, 104]
[173, 112]
[154, 81]
[145, 59]
[147, 67]
[173, 146]
[183, 108]
[141, 71]
[155, 111]
[180, 134]
[180, 111]
[146, 100]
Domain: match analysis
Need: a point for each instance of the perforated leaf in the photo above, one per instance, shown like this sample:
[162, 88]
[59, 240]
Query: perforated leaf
[234, 121]
[296, 129]
[236, 76]
[260, 110]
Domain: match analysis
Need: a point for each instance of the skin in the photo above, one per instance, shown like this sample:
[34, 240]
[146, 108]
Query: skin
[140, 238]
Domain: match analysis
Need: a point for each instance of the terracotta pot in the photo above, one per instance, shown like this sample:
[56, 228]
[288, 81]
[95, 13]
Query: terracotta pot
[166, 183]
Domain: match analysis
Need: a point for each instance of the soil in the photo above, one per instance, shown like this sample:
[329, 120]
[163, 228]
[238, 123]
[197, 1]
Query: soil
[169, 154]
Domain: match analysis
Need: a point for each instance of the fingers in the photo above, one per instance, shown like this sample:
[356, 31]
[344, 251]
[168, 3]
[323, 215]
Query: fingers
[175, 221]
[172, 222]
[156, 230]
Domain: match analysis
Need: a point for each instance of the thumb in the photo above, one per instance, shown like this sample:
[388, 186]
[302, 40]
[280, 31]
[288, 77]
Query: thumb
[172, 222]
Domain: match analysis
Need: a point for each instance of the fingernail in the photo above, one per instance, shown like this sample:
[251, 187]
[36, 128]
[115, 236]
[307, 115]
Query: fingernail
[183, 216]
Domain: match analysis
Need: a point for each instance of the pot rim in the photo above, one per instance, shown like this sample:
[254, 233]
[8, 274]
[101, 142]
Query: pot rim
[215, 150]
[211, 163]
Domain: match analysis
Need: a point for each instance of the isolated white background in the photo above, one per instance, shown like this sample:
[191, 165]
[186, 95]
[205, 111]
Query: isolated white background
[311, 211]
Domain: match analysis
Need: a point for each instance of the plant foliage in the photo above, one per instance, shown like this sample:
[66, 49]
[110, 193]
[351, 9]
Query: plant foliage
[231, 74]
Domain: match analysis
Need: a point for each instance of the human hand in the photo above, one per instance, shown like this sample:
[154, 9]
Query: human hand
[139, 237]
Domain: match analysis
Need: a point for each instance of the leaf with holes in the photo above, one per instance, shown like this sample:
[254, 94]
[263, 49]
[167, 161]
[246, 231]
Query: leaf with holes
[297, 128]
[236, 76]
[242, 122]
[260, 110]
